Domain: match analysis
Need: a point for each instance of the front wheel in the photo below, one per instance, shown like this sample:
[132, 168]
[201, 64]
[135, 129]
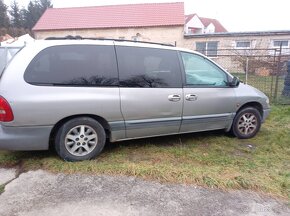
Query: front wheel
[246, 123]
[80, 139]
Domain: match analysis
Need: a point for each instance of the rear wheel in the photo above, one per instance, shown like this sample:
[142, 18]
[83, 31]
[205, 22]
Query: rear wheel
[80, 139]
[247, 123]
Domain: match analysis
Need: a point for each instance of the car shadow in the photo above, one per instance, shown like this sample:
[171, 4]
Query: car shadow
[12, 158]
[165, 141]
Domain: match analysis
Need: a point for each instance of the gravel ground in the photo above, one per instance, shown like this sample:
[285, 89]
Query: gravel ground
[42, 193]
[7, 175]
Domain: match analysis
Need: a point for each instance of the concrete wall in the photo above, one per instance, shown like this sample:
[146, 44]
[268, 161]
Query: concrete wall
[258, 42]
[169, 34]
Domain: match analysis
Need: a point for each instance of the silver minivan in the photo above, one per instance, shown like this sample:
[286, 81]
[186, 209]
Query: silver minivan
[76, 94]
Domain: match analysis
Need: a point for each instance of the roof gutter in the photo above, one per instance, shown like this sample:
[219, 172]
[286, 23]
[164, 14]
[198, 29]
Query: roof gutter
[239, 34]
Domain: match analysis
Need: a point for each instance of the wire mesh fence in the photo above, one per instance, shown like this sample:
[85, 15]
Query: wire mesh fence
[266, 69]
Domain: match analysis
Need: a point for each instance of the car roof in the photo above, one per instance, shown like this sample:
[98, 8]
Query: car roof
[117, 42]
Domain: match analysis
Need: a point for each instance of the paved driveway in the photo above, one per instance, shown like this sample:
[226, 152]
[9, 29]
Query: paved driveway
[42, 193]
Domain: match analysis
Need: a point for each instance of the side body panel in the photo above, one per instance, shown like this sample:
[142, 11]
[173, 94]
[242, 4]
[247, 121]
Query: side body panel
[148, 112]
[213, 108]
[150, 90]
[209, 101]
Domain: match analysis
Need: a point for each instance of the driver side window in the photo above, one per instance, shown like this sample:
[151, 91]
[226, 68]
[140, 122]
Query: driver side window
[201, 72]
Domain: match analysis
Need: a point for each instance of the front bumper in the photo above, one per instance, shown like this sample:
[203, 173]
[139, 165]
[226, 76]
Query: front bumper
[24, 138]
[266, 113]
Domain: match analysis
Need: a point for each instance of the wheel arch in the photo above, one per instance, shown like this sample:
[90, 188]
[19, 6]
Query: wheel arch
[99, 119]
[253, 104]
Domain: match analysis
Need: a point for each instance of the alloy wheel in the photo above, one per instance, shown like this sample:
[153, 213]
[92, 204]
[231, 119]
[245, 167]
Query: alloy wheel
[247, 123]
[81, 140]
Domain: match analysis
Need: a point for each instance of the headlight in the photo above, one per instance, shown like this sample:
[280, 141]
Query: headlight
[267, 101]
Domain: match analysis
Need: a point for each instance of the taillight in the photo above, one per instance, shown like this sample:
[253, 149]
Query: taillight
[6, 114]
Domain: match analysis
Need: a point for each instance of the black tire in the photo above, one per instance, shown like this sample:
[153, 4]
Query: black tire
[245, 128]
[80, 139]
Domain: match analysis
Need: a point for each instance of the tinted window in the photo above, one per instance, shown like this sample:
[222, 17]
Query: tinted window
[201, 72]
[85, 65]
[148, 67]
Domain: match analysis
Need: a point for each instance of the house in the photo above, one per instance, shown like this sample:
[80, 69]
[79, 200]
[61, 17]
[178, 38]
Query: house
[156, 22]
[225, 47]
[201, 25]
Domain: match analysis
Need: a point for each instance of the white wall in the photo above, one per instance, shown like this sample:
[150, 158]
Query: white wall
[210, 28]
[194, 23]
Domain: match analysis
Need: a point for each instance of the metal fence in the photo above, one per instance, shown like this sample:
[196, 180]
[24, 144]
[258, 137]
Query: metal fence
[266, 69]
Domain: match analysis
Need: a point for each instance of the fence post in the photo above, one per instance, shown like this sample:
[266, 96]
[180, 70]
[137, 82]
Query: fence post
[247, 69]
[277, 74]
[272, 76]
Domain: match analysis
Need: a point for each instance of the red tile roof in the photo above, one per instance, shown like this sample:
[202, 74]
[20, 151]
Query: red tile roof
[218, 26]
[206, 21]
[189, 17]
[114, 16]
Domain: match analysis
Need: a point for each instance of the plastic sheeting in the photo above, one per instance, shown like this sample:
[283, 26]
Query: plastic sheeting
[10, 47]
[6, 54]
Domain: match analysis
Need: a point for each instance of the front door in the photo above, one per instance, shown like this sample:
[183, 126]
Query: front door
[209, 102]
[150, 90]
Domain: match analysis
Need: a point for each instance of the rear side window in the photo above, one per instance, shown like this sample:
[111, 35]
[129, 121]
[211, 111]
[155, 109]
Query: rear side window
[148, 67]
[76, 65]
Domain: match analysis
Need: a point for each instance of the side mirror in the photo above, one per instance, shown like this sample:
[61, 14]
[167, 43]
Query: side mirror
[234, 82]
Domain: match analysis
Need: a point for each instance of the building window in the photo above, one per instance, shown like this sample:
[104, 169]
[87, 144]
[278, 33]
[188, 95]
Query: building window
[207, 48]
[243, 44]
[283, 43]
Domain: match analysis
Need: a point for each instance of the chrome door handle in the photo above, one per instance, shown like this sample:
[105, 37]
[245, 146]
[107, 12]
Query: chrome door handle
[174, 97]
[191, 97]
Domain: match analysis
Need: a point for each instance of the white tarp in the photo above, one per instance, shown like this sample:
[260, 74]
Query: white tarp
[6, 54]
[10, 47]
[17, 42]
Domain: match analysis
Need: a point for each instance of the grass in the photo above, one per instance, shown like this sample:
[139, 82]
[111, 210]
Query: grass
[2, 188]
[210, 159]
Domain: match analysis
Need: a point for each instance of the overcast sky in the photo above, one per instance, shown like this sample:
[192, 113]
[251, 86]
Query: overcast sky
[242, 15]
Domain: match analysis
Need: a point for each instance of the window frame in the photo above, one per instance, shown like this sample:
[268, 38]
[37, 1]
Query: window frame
[185, 85]
[243, 41]
[206, 51]
[280, 40]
